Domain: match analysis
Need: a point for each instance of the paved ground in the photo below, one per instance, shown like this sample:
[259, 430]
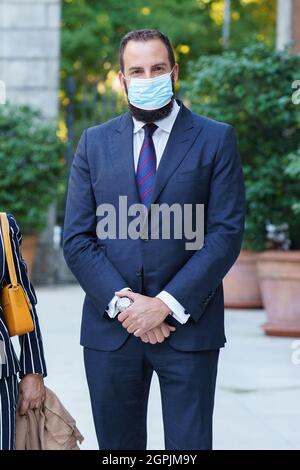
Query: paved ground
[258, 392]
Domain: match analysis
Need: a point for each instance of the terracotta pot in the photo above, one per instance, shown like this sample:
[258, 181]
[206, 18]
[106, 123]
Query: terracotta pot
[29, 249]
[279, 279]
[241, 288]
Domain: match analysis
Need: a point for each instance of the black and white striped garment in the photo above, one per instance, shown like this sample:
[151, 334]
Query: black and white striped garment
[32, 355]
[8, 405]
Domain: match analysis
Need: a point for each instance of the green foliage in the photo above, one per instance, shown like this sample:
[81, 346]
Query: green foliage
[252, 90]
[293, 169]
[32, 166]
[252, 21]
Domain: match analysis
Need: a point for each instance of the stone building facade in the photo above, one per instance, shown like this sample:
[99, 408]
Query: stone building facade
[29, 52]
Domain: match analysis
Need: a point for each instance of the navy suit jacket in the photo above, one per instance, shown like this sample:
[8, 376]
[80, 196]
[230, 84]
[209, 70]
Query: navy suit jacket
[200, 165]
[32, 354]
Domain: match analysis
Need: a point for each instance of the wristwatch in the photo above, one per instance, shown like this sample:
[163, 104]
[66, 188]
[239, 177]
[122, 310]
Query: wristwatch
[123, 303]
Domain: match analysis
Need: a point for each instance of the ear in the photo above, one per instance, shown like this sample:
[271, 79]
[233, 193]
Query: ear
[176, 72]
[121, 80]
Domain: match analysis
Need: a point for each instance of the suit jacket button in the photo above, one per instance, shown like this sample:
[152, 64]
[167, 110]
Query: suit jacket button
[138, 273]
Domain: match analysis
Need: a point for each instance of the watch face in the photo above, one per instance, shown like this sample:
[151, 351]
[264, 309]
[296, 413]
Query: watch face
[123, 303]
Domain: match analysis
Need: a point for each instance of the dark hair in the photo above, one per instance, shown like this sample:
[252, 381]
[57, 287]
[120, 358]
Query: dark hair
[145, 35]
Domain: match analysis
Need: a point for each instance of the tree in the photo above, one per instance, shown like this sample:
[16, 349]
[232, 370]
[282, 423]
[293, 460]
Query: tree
[252, 90]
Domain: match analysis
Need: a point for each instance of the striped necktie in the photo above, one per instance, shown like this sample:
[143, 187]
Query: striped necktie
[146, 169]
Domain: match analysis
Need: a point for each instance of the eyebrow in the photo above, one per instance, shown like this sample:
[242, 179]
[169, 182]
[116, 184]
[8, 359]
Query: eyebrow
[139, 67]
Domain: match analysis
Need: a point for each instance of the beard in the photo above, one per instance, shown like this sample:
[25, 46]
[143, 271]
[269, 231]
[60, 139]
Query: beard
[153, 114]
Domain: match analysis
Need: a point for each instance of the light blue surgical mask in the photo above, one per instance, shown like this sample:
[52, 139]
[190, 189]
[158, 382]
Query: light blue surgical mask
[150, 93]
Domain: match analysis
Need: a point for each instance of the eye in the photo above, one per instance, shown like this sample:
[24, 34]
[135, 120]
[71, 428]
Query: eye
[135, 72]
[159, 70]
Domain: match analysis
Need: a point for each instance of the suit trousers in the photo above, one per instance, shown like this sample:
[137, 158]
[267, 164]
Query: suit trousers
[8, 405]
[119, 383]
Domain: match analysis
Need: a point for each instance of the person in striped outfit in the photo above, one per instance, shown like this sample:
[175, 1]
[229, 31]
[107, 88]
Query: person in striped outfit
[31, 367]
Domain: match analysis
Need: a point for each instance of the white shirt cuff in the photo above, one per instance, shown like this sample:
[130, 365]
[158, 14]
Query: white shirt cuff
[178, 310]
[111, 310]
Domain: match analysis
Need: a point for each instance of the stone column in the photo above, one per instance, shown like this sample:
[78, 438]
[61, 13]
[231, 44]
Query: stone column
[29, 65]
[288, 21]
[296, 26]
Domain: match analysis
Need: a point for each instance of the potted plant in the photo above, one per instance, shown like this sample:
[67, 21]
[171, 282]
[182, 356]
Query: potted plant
[279, 268]
[251, 90]
[31, 171]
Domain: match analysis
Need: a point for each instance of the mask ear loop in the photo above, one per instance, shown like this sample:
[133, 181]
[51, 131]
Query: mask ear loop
[171, 73]
[124, 76]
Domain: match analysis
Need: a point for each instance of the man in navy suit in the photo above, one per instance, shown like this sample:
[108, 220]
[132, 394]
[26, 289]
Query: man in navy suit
[151, 303]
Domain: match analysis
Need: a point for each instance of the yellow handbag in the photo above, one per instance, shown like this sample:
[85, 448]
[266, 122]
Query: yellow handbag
[15, 303]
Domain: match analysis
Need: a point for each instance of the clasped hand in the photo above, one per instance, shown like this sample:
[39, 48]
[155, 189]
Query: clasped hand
[145, 317]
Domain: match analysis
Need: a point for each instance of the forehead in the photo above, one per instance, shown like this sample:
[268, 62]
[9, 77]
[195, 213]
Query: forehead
[145, 53]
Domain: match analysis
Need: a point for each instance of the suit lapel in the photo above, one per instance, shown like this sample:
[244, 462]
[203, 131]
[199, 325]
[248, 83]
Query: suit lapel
[182, 136]
[122, 159]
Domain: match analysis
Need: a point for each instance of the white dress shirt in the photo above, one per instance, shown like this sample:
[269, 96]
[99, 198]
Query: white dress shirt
[160, 139]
